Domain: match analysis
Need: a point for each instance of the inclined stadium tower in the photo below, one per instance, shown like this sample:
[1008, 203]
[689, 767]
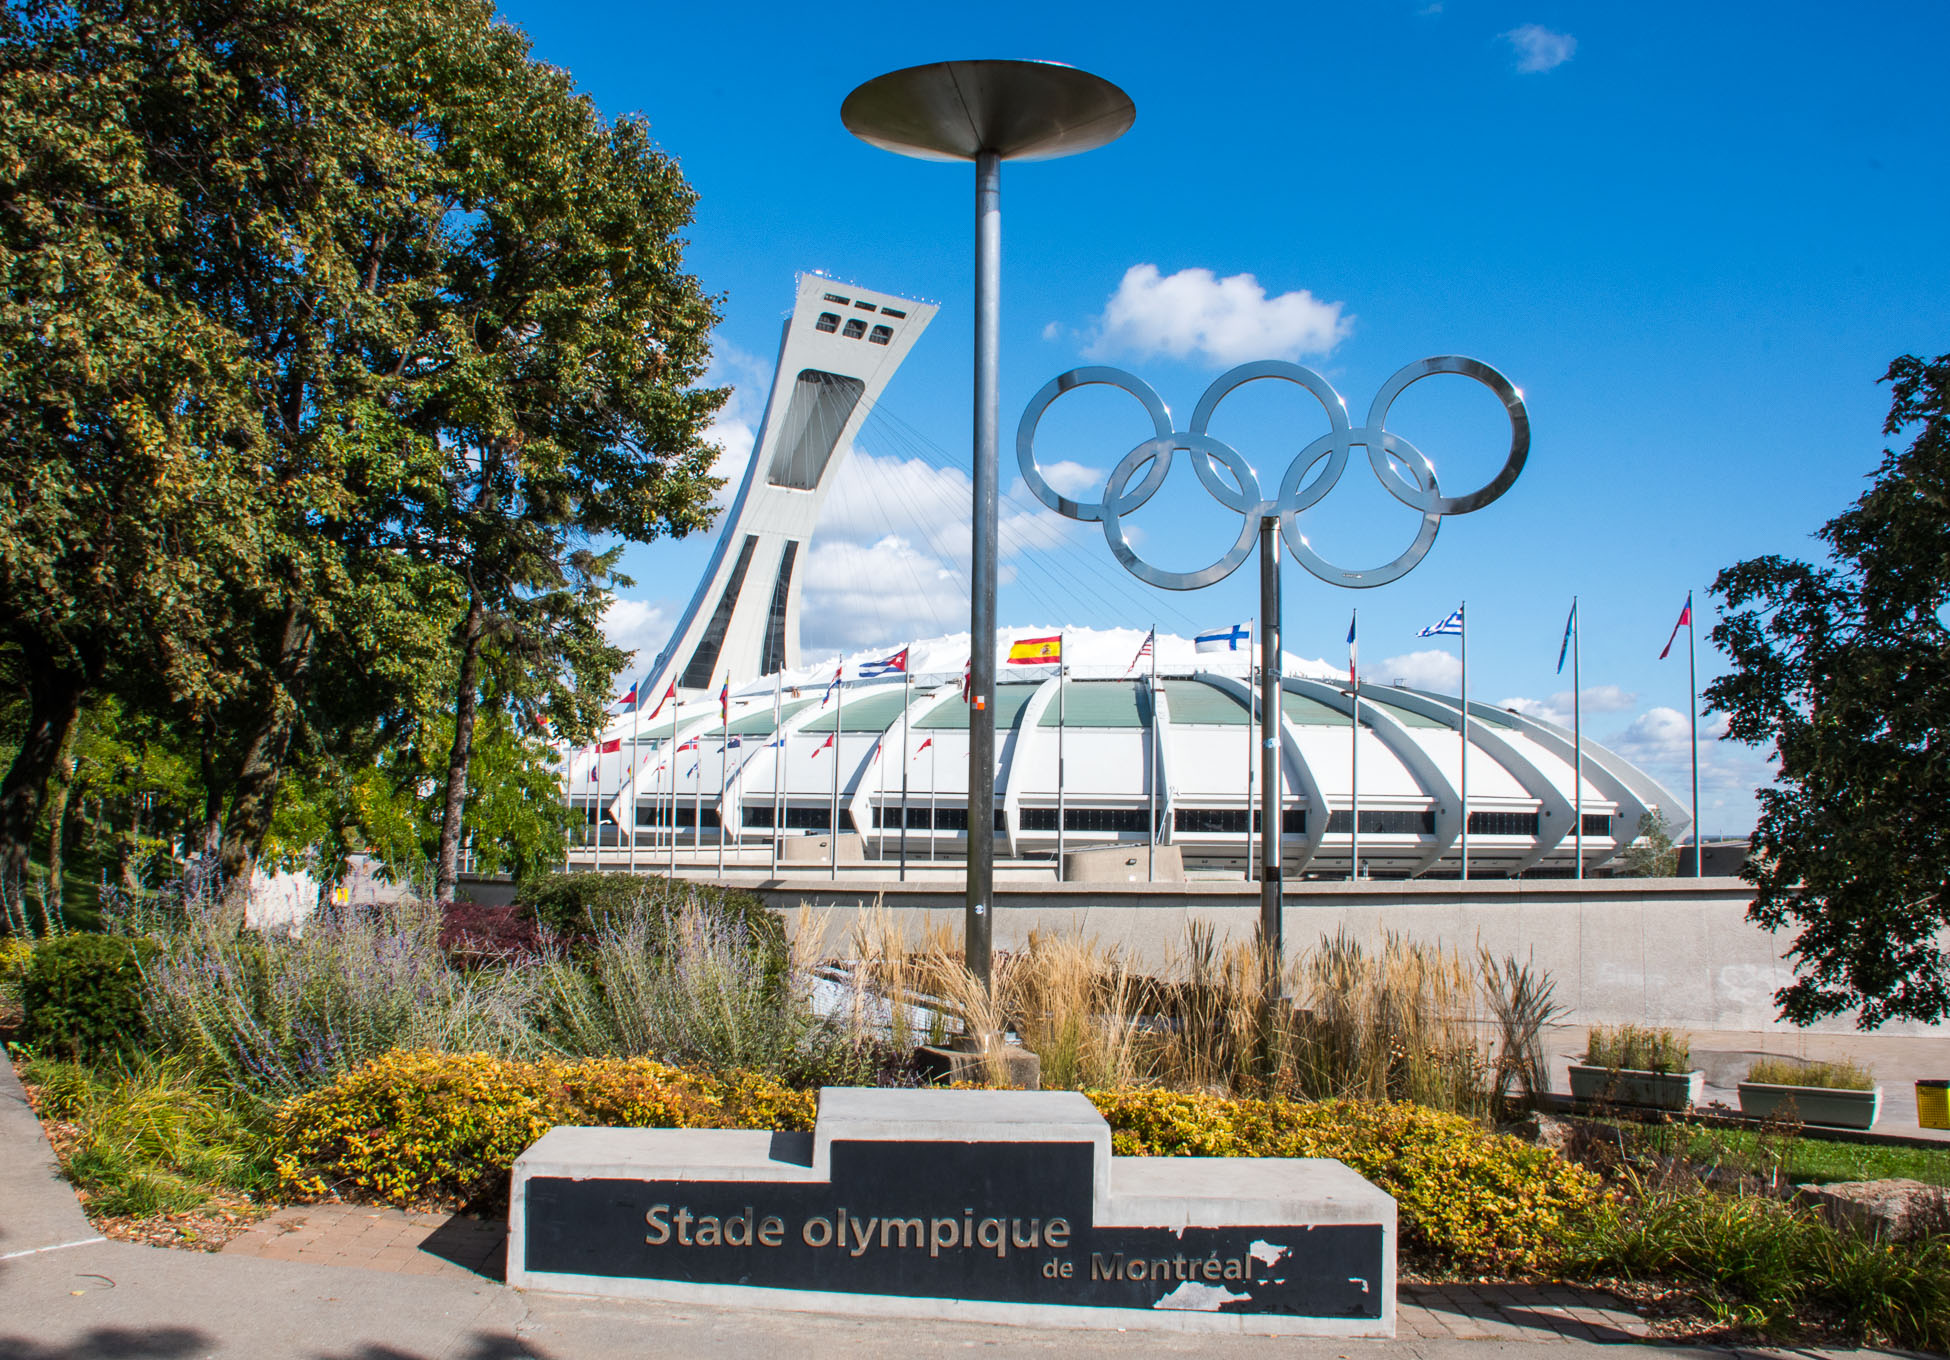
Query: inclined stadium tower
[883, 757]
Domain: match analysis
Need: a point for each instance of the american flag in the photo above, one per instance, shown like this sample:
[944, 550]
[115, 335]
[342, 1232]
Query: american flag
[1150, 645]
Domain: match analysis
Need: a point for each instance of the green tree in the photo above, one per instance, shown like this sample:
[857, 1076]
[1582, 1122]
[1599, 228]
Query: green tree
[1652, 853]
[1844, 670]
[332, 331]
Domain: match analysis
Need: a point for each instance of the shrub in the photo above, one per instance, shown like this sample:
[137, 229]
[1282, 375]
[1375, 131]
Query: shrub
[1841, 1075]
[282, 1014]
[578, 904]
[472, 934]
[1766, 1265]
[689, 987]
[1636, 1049]
[157, 1138]
[422, 1127]
[1464, 1195]
[83, 996]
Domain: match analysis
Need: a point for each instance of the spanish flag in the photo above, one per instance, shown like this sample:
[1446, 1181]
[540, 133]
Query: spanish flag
[1043, 651]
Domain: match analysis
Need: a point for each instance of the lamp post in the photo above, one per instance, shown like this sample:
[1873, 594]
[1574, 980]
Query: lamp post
[986, 112]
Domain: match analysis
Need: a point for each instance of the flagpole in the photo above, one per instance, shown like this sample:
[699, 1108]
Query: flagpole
[907, 757]
[1692, 713]
[1354, 750]
[636, 731]
[1252, 678]
[596, 859]
[778, 761]
[934, 771]
[1462, 611]
[1151, 870]
[672, 828]
[1062, 666]
[724, 768]
[697, 796]
[839, 732]
[1577, 734]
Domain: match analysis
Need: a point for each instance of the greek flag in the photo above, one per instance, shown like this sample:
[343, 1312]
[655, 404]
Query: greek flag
[1452, 626]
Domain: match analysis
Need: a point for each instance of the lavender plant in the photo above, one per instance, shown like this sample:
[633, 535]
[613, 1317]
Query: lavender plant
[280, 1014]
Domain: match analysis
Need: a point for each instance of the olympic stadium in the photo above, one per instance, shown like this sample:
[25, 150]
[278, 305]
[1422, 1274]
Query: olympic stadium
[736, 749]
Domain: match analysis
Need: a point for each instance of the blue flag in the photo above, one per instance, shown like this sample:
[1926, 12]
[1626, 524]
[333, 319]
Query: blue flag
[1451, 626]
[1570, 623]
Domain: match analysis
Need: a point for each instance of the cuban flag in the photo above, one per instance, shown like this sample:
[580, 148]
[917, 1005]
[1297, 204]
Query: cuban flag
[1449, 627]
[893, 665]
[838, 671]
[1236, 638]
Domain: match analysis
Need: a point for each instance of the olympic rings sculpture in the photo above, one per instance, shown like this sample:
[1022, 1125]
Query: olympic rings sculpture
[1388, 454]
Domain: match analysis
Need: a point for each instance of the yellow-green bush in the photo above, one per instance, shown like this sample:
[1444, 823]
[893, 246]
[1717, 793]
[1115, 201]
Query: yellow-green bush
[1463, 1193]
[416, 1127]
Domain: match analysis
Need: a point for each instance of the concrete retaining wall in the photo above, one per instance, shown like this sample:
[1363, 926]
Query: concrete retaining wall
[1676, 952]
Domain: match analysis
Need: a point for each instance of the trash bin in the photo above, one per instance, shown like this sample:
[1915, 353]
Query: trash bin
[1933, 1103]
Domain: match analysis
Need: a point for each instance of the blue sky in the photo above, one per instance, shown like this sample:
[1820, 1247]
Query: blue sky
[1693, 235]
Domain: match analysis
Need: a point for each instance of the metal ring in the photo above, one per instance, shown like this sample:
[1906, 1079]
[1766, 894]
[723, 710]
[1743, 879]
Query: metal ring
[1404, 471]
[1506, 392]
[1161, 452]
[1032, 416]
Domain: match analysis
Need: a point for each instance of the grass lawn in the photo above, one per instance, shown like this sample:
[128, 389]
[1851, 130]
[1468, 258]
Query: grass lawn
[1805, 1157]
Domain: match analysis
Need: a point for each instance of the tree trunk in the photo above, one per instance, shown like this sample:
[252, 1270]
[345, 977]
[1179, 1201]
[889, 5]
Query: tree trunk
[53, 702]
[60, 784]
[253, 796]
[447, 874]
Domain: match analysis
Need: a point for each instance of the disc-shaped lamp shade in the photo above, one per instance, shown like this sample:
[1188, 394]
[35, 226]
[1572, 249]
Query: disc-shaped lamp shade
[1021, 110]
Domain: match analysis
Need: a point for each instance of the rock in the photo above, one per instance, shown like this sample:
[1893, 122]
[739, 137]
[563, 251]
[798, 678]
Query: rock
[1893, 1210]
[961, 1062]
[1548, 1131]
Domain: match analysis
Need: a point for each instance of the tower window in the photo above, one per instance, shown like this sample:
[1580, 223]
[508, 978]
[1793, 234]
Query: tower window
[827, 322]
[881, 335]
[855, 328]
[835, 297]
[889, 311]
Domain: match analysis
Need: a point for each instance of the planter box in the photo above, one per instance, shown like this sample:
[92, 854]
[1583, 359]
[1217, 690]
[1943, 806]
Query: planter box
[1629, 1086]
[1823, 1105]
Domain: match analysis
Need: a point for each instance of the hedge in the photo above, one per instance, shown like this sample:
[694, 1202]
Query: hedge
[1463, 1194]
[82, 996]
[415, 1127]
[575, 904]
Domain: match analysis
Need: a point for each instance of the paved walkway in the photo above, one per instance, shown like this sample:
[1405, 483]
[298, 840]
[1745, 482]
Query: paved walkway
[339, 1282]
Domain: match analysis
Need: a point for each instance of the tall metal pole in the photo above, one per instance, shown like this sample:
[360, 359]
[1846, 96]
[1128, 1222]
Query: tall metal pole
[1692, 713]
[1577, 735]
[1151, 779]
[839, 740]
[1272, 919]
[1252, 752]
[1354, 753]
[778, 762]
[675, 704]
[1462, 610]
[636, 762]
[1062, 684]
[977, 934]
[596, 856]
[907, 755]
[724, 776]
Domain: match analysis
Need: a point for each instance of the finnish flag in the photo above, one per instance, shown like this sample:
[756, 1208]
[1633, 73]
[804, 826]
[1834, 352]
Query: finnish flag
[1233, 639]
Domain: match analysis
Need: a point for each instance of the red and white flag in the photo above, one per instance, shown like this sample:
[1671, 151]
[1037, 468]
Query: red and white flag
[823, 745]
[669, 694]
[613, 744]
[967, 678]
[1150, 645]
[922, 747]
[1685, 619]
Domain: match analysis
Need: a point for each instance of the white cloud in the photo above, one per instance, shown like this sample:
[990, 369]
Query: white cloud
[1539, 49]
[1227, 320]
[1053, 331]
[1433, 669]
[875, 594]
[1074, 479]
[637, 626]
[1557, 709]
[735, 427]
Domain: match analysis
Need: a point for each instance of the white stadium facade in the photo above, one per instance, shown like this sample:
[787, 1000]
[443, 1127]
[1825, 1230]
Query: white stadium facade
[876, 767]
